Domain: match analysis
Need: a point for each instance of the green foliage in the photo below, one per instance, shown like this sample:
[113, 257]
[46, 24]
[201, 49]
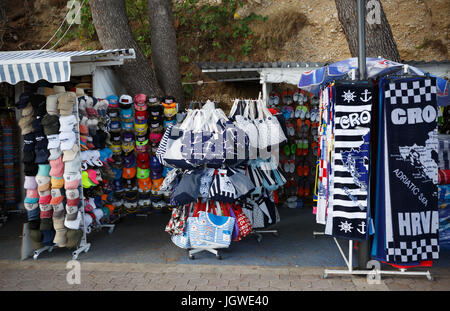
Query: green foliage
[188, 88]
[215, 27]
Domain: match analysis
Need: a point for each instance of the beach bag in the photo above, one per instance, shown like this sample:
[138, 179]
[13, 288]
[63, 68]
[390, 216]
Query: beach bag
[177, 222]
[255, 177]
[270, 132]
[209, 230]
[253, 212]
[169, 149]
[246, 122]
[243, 223]
[241, 182]
[272, 174]
[237, 109]
[188, 189]
[170, 180]
[222, 188]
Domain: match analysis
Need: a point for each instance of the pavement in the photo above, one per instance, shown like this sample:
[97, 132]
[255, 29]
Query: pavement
[94, 276]
[139, 255]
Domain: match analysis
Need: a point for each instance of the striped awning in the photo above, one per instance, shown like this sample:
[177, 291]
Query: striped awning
[54, 67]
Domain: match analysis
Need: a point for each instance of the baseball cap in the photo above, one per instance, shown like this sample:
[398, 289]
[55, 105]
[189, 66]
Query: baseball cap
[73, 222]
[52, 104]
[143, 160]
[54, 153]
[53, 141]
[142, 173]
[57, 167]
[140, 102]
[140, 129]
[141, 140]
[116, 149]
[154, 121]
[50, 124]
[29, 142]
[24, 99]
[140, 117]
[145, 184]
[128, 137]
[126, 114]
[115, 126]
[114, 114]
[32, 193]
[128, 172]
[128, 147]
[57, 197]
[30, 182]
[66, 101]
[30, 169]
[113, 101]
[70, 154]
[127, 126]
[67, 140]
[155, 137]
[41, 156]
[43, 183]
[27, 111]
[67, 123]
[125, 101]
[129, 160]
[72, 181]
[57, 182]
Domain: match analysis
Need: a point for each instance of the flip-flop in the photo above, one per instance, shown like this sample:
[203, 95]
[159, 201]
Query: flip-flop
[300, 170]
[306, 189]
[287, 150]
[300, 190]
[305, 147]
[293, 148]
[305, 169]
[299, 152]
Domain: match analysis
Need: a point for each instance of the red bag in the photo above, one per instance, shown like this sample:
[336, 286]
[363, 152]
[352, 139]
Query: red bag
[245, 226]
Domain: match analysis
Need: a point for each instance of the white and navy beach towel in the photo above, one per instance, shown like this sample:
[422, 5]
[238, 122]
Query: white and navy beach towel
[352, 112]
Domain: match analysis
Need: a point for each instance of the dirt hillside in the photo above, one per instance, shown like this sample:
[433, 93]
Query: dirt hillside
[296, 30]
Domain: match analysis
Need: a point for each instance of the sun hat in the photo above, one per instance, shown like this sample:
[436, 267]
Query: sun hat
[57, 182]
[67, 123]
[67, 140]
[66, 101]
[140, 117]
[125, 101]
[128, 172]
[113, 101]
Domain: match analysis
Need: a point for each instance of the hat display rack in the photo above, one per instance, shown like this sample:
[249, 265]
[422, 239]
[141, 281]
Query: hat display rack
[220, 183]
[52, 157]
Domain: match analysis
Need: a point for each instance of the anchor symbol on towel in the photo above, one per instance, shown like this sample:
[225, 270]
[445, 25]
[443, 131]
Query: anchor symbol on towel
[366, 94]
[363, 226]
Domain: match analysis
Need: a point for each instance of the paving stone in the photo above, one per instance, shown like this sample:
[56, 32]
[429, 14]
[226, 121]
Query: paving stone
[230, 276]
[197, 282]
[259, 283]
[135, 275]
[239, 283]
[249, 277]
[228, 288]
[218, 282]
[205, 288]
[120, 280]
[310, 277]
[184, 288]
[290, 277]
[248, 288]
[178, 282]
[192, 275]
[270, 277]
[300, 284]
[281, 284]
[318, 284]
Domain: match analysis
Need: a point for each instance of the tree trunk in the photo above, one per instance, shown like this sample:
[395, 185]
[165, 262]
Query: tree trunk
[111, 24]
[164, 48]
[379, 38]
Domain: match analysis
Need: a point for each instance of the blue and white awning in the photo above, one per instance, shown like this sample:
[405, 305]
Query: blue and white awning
[54, 67]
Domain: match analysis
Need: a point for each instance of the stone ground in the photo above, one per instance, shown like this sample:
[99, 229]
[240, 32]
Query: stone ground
[44, 276]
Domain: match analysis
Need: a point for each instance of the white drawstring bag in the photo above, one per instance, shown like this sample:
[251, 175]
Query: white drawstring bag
[270, 131]
[246, 122]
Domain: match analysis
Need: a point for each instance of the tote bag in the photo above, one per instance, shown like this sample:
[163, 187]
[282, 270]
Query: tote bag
[212, 230]
[246, 122]
[270, 132]
[222, 188]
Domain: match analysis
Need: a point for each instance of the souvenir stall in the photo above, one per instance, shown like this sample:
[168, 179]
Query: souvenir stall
[62, 158]
[378, 164]
[225, 170]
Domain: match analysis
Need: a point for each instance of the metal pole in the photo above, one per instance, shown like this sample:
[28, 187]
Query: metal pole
[361, 12]
[363, 247]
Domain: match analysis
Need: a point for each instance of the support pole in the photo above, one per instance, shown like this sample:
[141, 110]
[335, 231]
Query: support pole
[363, 247]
